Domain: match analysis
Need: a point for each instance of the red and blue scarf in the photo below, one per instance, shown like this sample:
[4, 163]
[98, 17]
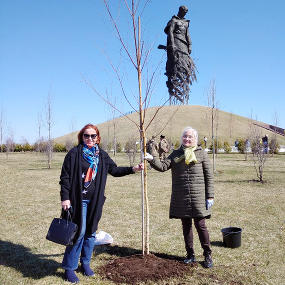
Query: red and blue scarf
[91, 155]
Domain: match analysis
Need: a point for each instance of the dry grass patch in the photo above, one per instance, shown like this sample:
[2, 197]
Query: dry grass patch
[30, 199]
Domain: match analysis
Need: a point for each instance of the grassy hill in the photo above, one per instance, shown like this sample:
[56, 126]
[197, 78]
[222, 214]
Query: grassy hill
[171, 120]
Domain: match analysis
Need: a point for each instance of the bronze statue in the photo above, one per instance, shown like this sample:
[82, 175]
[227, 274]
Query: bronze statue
[180, 68]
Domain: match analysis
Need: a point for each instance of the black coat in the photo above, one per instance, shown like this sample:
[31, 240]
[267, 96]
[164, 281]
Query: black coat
[71, 186]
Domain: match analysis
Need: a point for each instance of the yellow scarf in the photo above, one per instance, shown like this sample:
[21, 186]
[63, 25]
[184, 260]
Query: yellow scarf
[190, 155]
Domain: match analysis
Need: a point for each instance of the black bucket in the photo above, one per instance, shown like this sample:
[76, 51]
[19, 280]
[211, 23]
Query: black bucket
[232, 237]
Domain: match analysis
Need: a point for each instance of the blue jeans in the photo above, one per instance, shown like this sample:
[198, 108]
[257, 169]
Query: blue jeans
[84, 245]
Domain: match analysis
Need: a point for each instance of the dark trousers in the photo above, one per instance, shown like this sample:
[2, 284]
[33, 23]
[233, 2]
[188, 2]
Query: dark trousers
[203, 234]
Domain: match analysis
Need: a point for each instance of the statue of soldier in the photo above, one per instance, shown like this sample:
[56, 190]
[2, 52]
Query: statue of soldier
[163, 147]
[180, 68]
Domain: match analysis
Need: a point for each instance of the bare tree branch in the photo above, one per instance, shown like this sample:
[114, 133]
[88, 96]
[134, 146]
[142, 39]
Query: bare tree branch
[119, 34]
[49, 121]
[121, 83]
[156, 112]
[146, 58]
[148, 92]
[1, 128]
[149, 86]
[88, 83]
[127, 5]
[146, 2]
[170, 118]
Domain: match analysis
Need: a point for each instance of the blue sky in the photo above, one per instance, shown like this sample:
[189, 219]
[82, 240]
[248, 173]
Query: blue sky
[50, 46]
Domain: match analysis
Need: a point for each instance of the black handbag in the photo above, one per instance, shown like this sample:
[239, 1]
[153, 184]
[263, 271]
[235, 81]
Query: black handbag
[62, 230]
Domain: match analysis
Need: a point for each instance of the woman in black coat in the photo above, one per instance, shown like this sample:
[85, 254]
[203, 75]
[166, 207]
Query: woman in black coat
[83, 179]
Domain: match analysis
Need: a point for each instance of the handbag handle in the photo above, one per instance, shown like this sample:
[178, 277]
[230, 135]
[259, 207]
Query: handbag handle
[66, 215]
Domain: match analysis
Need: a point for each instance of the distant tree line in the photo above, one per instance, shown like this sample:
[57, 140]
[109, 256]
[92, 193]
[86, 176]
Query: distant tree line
[37, 147]
[131, 146]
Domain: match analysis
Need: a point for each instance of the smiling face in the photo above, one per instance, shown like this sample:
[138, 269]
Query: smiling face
[90, 137]
[189, 138]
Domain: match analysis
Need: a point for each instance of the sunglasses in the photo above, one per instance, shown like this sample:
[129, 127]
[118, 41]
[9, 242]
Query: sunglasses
[93, 136]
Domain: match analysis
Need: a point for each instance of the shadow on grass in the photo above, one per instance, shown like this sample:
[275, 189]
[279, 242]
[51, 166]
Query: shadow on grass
[122, 251]
[39, 168]
[241, 181]
[217, 243]
[19, 257]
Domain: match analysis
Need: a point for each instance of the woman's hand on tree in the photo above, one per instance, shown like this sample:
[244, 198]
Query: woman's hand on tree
[138, 167]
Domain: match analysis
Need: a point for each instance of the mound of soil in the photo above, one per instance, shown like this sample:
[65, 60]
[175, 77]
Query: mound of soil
[138, 268]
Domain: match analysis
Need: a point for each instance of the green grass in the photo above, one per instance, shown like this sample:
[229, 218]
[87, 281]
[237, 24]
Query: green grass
[30, 199]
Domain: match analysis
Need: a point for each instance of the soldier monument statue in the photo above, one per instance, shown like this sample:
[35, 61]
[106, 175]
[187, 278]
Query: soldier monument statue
[180, 68]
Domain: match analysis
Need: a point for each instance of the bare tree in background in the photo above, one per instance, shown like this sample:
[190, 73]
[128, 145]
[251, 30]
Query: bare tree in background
[49, 123]
[114, 134]
[40, 145]
[273, 144]
[207, 118]
[40, 123]
[259, 155]
[70, 140]
[217, 129]
[40, 139]
[2, 123]
[69, 143]
[10, 143]
[131, 149]
[113, 122]
[231, 124]
[212, 103]
[246, 142]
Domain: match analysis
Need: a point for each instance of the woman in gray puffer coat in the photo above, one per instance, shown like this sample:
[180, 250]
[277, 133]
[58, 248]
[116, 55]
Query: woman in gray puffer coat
[192, 190]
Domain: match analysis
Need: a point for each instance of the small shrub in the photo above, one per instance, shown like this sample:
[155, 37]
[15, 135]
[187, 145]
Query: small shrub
[18, 148]
[227, 147]
[119, 147]
[130, 146]
[27, 147]
[202, 143]
[130, 149]
[274, 146]
[3, 148]
[109, 146]
[58, 147]
[40, 145]
[218, 145]
[241, 145]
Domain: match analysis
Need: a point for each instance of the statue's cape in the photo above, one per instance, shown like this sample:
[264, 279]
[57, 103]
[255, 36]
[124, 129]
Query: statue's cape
[166, 29]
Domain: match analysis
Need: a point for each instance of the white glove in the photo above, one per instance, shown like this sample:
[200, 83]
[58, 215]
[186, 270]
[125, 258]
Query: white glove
[148, 157]
[209, 203]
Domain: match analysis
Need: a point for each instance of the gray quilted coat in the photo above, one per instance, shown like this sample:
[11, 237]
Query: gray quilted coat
[191, 184]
